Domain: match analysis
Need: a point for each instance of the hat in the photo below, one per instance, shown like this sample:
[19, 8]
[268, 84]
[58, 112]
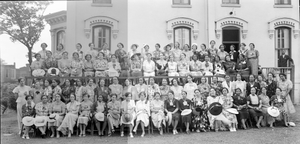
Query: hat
[169, 118]
[53, 71]
[28, 121]
[136, 45]
[195, 44]
[215, 108]
[53, 117]
[38, 72]
[127, 118]
[40, 121]
[167, 46]
[145, 45]
[273, 111]
[232, 110]
[186, 112]
[99, 116]
[292, 124]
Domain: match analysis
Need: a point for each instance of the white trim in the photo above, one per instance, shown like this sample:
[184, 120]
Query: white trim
[283, 6]
[231, 21]
[182, 21]
[230, 5]
[101, 5]
[101, 20]
[284, 21]
[181, 6]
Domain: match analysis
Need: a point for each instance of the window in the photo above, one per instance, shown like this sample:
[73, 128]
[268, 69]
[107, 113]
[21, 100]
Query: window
[282, 41]
[230, 1]
[102, 1]
[181, 2]
[61, 38]
[182, 35]
[282, 2]
[101, 35]
[231, 36]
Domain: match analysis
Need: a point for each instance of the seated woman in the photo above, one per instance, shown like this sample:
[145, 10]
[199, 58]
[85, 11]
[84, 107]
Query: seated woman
[76, 66]
[218, 67]
[84, 117]
[216, 85]
[161, 66]
[128, 87]
[36, 66]
[265, 104]
[207, 67]
[113, 115]
[136, 66]
[187, 51]
[172, 110]
[240, 103]
[229, 66]
[228, 103]
[140, 87]
[148, 67]
[239, 83]
[168, 51]
[186, 104]
[100, 65]
[278, 100]
[195, 66]
[48, 63]
[99, 110]
[243, 66]
[128, 114]
[125, 67]
[157, 112]
[215, 120]
[254, 105]
[66, 91]
[58, 55]
[28, 114]
[151, 89]
[90, 90]
[114, 67]
[204, 87]
[64, 65]
[172, 67]
[70, 119]
[106, 51]
[177, 89]
[58, 109]
[164, 89]
[116, 88]
[199, 107]
[142, 113]
[88, 66]
[103, 90]
[183, 65]
[222, 53]
[42, 110]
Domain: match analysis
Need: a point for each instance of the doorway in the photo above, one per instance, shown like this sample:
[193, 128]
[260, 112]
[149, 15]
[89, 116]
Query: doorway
[231, 36]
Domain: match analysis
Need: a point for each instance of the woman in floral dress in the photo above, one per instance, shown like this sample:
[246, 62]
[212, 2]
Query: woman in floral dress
[64, 65]
[56, 88]
[216, 85]
[199, 119]
[67, 89]
[90, 90]
[286, 86]
[279, 100]
[100, 65]
[88, 66]
[195, 66]
[157, 112]
[151, 89]
[228, 103]
[116, 88]
[48, 90]
[85, 111]
[76, 66]
[113, 114]
[164, 89]
[204, 87]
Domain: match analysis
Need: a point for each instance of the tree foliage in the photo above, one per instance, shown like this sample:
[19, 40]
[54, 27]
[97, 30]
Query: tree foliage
[23, 21]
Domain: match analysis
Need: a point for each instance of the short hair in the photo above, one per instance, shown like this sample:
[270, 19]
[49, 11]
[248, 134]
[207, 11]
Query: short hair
[85, 94]
[212, 41]
[271, 74]
[170, 91]
[57, 81]
[155, 93]
[184, 92]
[238, 89]
[204, 45]
[252, 44]
[44, 44]
[90, 44]
[26, 98]
[37, 55]
[282, 74]
[79, 45]
[121, 44]
[87, 56]
[222, 45]
[19, 79]
[279, 88]
[65, 52]
[232, 46]
[44, 96]
[75, 53]
[113, 94]
[225, 89]
[196, 90]
[142, 93]
[243, 44]
[204, 79]
[127, 94]
[62, 46]
[49, 52]
[157, 44]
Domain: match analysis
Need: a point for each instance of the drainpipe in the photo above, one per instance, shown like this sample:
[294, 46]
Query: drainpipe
[207, 23]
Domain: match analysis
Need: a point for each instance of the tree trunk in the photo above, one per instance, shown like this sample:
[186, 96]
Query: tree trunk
[29, 55]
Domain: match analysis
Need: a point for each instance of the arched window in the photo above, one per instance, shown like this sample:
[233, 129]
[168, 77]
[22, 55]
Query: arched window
[60, 38]
[182, 35]
[101, 34]
[282, 41]
[231, 36]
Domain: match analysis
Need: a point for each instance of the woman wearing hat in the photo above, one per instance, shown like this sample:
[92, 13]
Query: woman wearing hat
[157, 112]
[28, 112]
[142, 113]
[160, 64]
[76, 65]
[85, 112]
[100, 65]
[177, 51]
[57, 111]
[199, 119]
[186, 105]
[47, 89]
[113, 115]
[254, 104]
[49, 62]
[190, 87]
[103, 90]
[66, 91]
[187, 51]
[207, 67]
[228, 103]
[265, 104]
[151, 89]
[252, 84]
[177, 89]
[37, 66]
[20, 92]
[71, 117]
[128, 114]
[279, 100]
[99, 110]
[172, 110]
[271, 85]
[222, 53]
[59, 52]
[42, 111]
[136, 66]
[168, 51]
[164, 88]
[90, 90]
[88, 66]
[286, 86]
[183, 66]
[172, 67]
[240, 103]
[204, 87]
[116, 88]
[120, 53]
[253, 58]
[195, 66]
[64, 65]
[229, 66]
[157, 52]
[114, 67]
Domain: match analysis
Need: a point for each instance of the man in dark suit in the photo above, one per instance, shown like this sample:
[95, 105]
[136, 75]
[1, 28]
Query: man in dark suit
[284, 59]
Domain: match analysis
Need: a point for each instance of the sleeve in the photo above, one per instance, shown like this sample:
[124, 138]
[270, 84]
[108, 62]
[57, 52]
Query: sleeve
[290, 84]
[248, 99]
[16, 90]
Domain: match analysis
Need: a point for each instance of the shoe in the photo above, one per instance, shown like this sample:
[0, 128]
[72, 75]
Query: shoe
[197, 131]
[234, 129]
[52, 136]
[122, 134]
[69, 135]
[143, 134]
[109, 134]
[161, 132]
[23, 137]
[27, 137]
[174, 132]
[43, 136]
[57, 136]
[131, 135]
[80, 135]
[134, 130]
[83, 135]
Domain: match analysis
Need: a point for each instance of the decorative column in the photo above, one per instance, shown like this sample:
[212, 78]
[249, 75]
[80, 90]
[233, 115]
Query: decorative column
[53, 40]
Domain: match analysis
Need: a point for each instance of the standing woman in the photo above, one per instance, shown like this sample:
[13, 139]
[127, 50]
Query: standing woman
[265, 104]
[228, 103]
[28, 113]
[200, 119]
[142, 113]
[58, 108]
[116, 88]
[128, 114]
[222, 53]
[254, 104]
[187, 51]
[190, 87]
[88, 66]
[100, 65]
[195, 66]
[103, 90]
[64, 65]
[120, 53]
[67, 89]
[252, 83]
[172, 67]
[56, 89]
[240, 103]
[136, 66]
[177, 89]
[42, 110]
[164, 88]
[212, 49]
[37, 65]
[59, 52]
[21, 91]
[128, 88]
[79, 51]
[186, 104]
[253, 58]
[239, 83]
[157, 53]
[79, 90]
[90, 90]
[71, 117]
[172, 109]
[85, 111]
[157, 112]
[43, 52]
[204, 87]
[37, 92]
[286, 86]
[177, 51]
[243, 49]
[152, 88]
[100, 108]
[271, 85]
[76, 66]
[113, 115]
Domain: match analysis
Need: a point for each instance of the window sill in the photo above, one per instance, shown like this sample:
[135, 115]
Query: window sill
[101, 5]
[283, 6]
[230, 5]
[181, 6]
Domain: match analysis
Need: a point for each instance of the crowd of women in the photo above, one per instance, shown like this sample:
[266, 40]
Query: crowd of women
[196, 106]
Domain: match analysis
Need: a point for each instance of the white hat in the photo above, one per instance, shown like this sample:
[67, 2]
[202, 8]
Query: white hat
[38, 72]
[145, 45]
[195, 44]
[292, 124]
[232, 110]
[28, 121]
[186, 112]
[273, 111]
[53, 117]
[52, 70]
[40, 121]
[99, 116]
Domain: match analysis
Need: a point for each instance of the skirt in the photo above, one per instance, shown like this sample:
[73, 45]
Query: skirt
[184, 73]
[175, 116]
[57, 123]
[83, 120]
[100, 74]
[144, 118]
[113, 120]
[125, 73]
[255, 113]
[267, 118]
[243, 114]
[158, 119]
[136, 73]
[187, 118]
[89, 74]
[289, 106]
[68, 123]
[200, 120]
[254, 66]
[196, 73]
[231, 117]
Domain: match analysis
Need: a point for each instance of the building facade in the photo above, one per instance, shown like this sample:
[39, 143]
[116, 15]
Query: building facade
[272, 25]
[8, 73]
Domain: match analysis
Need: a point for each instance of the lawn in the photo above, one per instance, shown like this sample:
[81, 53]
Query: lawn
[280, 135]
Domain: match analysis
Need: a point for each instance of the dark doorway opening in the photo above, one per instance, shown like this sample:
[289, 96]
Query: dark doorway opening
[231, 36]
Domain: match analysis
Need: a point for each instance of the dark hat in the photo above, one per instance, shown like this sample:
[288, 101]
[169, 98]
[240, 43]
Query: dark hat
[215, 108]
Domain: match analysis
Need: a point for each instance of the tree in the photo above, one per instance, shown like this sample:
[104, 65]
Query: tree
[23, 21]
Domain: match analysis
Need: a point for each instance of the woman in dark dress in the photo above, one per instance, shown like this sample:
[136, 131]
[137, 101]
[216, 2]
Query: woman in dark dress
[254, 104]
[200, 119]
[172, 107]
[67, 89]
[160, 66]
[185, 103]
[243, 66]
[101, 89]
[229, 66]
[271, 85]
[240, 103]
[252, 84]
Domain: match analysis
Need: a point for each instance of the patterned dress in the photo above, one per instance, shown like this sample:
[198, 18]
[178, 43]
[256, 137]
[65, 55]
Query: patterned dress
[199, 118]
[76, 68]
[151, 89]
[57, 108]
[117, 89]
[100, 66]
[114, 118]
[285, 85]
[85, 110]
[66, 92]
[183, 67]
[271, 88]
[228, 101]
[164, 91]
[279, 102]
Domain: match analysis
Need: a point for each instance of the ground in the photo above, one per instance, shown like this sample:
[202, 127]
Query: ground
[278, 135]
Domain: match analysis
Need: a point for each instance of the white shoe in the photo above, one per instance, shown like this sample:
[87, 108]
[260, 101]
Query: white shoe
[197, 131]
[174, 132]
[231, 129]
[131, 135]
[234, 129]
[27, 137]
[122, 134]
[23, 137]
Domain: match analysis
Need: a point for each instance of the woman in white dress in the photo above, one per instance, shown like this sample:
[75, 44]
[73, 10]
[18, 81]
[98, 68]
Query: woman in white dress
[177, 89]
[157, 112]
[172, 67]
[190, 87]
[140, 87]
[42, 110]
[84, 117]
[127, 110]
[195, 66]
[64, 65]
[240, 84]
[142, 113]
